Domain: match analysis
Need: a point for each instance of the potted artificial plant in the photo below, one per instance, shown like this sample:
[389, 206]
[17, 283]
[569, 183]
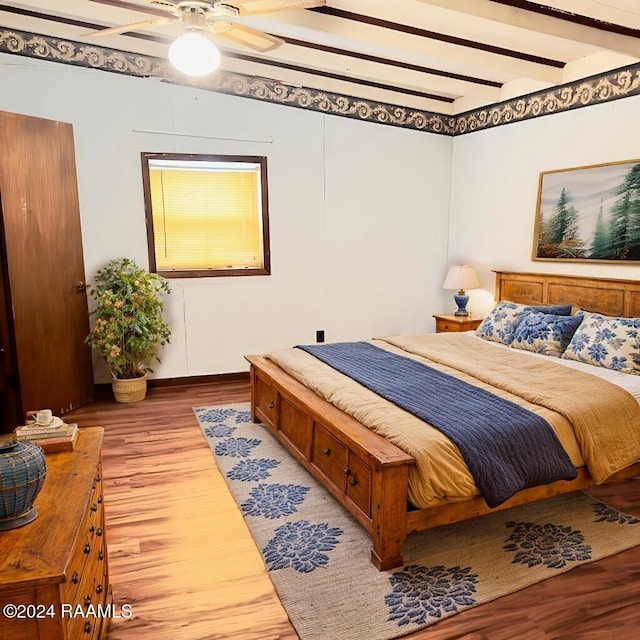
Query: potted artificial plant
[129, 327]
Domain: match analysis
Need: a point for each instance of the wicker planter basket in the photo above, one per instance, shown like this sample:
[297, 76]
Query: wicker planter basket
[129, 389]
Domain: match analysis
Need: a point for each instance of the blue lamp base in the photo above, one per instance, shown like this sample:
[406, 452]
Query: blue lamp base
[461, 299]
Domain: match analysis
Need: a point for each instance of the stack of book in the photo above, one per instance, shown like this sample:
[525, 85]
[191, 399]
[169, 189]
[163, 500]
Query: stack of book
[50, 439]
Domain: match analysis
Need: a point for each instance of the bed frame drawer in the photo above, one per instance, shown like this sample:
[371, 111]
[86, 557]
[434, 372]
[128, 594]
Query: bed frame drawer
[359, 483]
[266, 403]
[330, 456]
[295, 426]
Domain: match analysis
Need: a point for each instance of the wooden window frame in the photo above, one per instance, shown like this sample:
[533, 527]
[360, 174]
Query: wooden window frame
[265, 270]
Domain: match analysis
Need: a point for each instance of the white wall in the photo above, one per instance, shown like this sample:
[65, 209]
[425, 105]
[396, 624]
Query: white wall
[495, 186]
[358, 211]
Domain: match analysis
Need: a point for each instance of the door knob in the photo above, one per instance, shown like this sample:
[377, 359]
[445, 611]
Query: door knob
[81, 286]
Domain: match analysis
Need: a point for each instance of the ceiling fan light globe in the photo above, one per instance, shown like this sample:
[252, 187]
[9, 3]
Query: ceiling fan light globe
[194, 54]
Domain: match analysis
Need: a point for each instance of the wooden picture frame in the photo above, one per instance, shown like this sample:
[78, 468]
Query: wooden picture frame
[589, 214]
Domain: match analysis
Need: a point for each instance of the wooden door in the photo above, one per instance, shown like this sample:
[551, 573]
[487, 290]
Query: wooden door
[44, 262]
[8, 380]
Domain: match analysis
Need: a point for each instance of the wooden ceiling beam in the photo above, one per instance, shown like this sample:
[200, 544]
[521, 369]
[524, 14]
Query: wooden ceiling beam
[368, 32]
[558, 24]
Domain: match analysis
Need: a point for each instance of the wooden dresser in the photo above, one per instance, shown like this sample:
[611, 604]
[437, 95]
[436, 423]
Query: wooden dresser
[54, 570]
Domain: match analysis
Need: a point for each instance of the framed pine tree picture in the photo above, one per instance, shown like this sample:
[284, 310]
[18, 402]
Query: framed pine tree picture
[589, 214]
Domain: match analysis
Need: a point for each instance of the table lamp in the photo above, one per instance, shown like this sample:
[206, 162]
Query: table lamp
[461, 277]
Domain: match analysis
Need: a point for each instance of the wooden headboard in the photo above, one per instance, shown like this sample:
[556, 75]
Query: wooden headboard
[600, 295]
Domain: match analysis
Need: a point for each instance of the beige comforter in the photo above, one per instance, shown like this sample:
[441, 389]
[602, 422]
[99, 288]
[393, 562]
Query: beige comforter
[597, 422]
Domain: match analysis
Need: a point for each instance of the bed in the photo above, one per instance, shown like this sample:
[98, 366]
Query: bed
[369, 474]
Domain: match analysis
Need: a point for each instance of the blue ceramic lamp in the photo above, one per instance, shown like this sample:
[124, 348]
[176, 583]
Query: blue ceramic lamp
[461, 277]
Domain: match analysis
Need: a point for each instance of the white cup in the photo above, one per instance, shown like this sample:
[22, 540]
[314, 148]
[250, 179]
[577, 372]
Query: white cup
[44, 417]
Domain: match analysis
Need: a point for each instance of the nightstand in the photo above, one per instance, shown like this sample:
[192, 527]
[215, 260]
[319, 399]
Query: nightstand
[449, 322]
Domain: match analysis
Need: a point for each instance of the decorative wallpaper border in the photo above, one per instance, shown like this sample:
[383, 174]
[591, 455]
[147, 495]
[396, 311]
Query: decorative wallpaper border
[605, 87]
[83, 55]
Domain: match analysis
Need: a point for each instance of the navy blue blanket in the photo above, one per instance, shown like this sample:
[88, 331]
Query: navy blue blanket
[506, 447]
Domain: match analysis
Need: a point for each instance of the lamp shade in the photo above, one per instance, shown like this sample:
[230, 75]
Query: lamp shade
[461, 277]
[194, 54]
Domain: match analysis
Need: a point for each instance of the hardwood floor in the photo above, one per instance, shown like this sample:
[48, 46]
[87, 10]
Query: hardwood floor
[182, 557]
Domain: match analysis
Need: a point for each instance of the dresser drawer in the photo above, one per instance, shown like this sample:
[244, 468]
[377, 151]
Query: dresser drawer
[90, 595]
[85, 592]
[89, 542]
[96, 493]
[329, 455]
[76, 567]
[81, 628]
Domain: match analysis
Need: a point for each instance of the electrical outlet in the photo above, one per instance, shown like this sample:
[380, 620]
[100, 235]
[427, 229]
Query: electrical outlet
[320, 336]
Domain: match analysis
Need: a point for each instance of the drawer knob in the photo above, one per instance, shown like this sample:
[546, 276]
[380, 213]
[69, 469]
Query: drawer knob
[99, 531]
[99, 499]
[347, 472]
[87, 601]
[271, 404]
[87, 549]
[92, 528]
[75, 578]
[87, 627]
[98, 478]
[327, 451]
[99, 589]
[94, 507]
[101, 555]
[353, 482]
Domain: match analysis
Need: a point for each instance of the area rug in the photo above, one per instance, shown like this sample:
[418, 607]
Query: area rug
[317, 555]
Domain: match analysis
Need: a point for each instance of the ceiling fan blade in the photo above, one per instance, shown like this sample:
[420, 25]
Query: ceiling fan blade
[132, 27]
[170, 6]
[257, 40]
[252, 7]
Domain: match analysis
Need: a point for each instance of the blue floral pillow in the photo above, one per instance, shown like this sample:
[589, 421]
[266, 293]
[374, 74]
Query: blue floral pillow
[544, 332]
[500, 324]
[607, 342]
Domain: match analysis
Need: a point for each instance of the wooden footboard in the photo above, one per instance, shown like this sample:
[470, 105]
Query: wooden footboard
[363, 471]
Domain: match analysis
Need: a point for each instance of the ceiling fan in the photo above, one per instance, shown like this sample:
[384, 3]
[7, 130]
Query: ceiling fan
[218, 17]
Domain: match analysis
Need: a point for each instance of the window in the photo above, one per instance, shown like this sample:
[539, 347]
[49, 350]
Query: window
[206, 215]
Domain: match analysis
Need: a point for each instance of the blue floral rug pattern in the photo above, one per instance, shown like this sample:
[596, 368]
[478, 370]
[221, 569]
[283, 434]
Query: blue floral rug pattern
[318, 556]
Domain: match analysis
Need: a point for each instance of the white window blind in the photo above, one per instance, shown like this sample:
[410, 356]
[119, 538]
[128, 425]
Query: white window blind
[206, 218]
